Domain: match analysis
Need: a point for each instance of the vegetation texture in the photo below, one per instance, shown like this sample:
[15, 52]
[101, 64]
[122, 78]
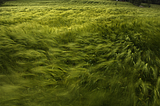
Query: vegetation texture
[79, 53]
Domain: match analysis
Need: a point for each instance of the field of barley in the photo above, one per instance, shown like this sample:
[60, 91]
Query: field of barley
[79, 53]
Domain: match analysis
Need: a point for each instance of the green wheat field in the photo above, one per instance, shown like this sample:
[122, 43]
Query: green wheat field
[79, 53]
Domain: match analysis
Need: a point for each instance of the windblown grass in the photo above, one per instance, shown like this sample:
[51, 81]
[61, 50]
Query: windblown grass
[79, 54]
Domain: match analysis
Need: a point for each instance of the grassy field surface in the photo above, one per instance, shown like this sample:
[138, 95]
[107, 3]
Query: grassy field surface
[79, 53]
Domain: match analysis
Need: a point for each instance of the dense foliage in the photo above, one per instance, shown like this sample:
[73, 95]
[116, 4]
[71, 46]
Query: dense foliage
[3, 1]
[152, 1]
[79, 54]
[138, 2]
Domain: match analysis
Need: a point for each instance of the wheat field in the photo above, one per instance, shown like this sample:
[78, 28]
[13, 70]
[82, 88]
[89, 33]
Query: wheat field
[79, 53]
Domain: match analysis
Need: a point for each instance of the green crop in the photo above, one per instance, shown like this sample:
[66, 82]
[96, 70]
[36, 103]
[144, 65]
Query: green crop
[79, 53]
